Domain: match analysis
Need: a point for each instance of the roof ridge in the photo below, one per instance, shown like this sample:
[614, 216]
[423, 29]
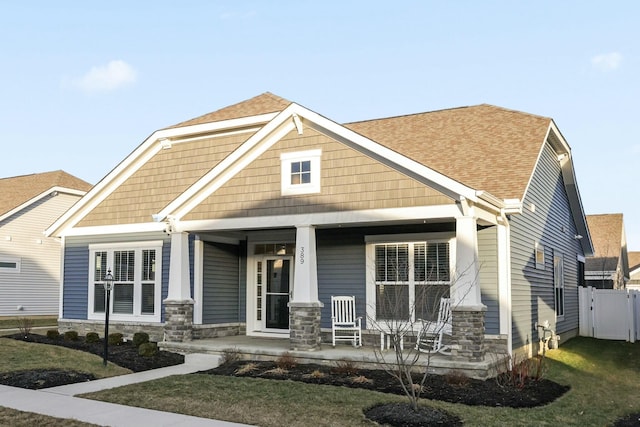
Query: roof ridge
[443, 110]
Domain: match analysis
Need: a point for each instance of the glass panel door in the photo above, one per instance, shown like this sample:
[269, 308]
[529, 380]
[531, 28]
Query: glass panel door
[277, 280]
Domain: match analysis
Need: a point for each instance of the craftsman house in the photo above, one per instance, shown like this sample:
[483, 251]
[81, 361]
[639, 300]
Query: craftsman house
[29, 261]
[245, 221]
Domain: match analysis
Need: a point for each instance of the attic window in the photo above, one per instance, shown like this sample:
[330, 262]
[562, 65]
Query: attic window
[300, 172]
[9, 264]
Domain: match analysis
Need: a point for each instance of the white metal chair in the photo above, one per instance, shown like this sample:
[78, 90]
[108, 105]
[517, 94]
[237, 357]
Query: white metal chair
[430, 336]
[345, 325]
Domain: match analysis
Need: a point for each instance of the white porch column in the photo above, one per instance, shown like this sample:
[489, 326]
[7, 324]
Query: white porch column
[305, 279]
[304, 307]
[465, 290]
[178, 307]
[179, 286]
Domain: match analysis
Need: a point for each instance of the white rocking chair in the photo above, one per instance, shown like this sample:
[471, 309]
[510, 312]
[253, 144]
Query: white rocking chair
[430, 336]
[345, 326]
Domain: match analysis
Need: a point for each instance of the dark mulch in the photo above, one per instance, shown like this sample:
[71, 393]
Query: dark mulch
[631, 420]
[437, 387]
[124, 355]
[43, 378]
[403, 415]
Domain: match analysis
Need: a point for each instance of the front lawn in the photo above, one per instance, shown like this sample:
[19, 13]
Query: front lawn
[603, 376]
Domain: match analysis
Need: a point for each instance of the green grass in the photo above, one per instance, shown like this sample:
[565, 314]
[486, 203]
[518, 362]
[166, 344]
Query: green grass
[18, 355]
[12, 418]
[603, 376]
[34, 321]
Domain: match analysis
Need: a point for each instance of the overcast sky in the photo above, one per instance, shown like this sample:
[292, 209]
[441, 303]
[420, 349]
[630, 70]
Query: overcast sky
[84, 83]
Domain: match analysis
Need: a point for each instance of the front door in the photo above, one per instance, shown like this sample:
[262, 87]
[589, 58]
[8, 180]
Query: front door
[277, 279]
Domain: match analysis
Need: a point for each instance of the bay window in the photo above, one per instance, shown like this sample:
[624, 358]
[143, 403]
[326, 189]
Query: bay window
[136, 269]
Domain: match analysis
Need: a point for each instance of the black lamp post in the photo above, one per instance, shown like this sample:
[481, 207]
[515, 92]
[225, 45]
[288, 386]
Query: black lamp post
[108, 286]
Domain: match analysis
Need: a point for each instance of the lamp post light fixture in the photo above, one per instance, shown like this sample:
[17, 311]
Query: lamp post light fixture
[108, 286]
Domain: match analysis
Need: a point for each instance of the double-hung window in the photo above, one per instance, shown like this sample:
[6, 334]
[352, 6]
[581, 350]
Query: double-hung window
[558, 284]
[136, 269]
[408, 278]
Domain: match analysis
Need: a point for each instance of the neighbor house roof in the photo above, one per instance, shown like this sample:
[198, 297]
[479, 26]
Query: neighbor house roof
[634, 260]
[18, 190]
[607, 235]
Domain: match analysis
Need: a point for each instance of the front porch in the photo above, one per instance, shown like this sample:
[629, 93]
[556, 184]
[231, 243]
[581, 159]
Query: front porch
[261, 348]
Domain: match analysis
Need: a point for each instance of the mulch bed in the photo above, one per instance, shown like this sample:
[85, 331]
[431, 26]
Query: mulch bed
[449, 388]
[438, 387]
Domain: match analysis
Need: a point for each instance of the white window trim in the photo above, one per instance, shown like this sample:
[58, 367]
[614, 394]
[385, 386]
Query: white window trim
[558, 285]
[372, 241]
[286, 159]
[538, 247]
[138, 247]
[16, 261]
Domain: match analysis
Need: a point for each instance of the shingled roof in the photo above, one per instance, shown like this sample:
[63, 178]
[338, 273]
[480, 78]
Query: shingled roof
[20, 189]
[634, 260]
[606, 234]
[483, 147]
[261, 104]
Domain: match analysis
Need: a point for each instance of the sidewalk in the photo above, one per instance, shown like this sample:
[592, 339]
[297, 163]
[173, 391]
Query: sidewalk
[60, 401]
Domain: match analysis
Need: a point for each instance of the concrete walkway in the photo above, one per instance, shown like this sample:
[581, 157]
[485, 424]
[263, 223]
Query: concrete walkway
[60, 401]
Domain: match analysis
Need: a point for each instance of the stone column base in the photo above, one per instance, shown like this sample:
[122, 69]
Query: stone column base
[467, 340]
[304, 325]
[178, 320]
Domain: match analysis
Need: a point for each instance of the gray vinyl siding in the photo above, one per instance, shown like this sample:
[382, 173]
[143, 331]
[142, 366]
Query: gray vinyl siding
[551, 224]
[36, 286]
[76, 269]
[221, 286]
[341, 269]
[341, 255]
[488, 276]
[75, 281]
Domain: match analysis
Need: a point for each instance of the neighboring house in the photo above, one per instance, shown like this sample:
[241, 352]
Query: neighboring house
[248, 219]
[29, 261]
[608, 268]
[634, 271]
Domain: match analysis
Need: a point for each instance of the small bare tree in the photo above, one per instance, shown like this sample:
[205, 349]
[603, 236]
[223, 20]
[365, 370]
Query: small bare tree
[398, 317]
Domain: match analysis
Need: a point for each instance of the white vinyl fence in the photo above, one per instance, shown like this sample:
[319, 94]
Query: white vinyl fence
[609, 314]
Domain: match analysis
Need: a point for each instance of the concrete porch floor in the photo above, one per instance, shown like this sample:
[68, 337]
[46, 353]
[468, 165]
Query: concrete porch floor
[367, 356]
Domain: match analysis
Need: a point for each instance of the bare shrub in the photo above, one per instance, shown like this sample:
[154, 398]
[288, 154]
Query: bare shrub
[345, 367]
[519, 372]
[286, 361]
[457, 378]
[276, 371]
[247, 368]
[361, 379]
[315, 374]
[25, 325]
[230, 355]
